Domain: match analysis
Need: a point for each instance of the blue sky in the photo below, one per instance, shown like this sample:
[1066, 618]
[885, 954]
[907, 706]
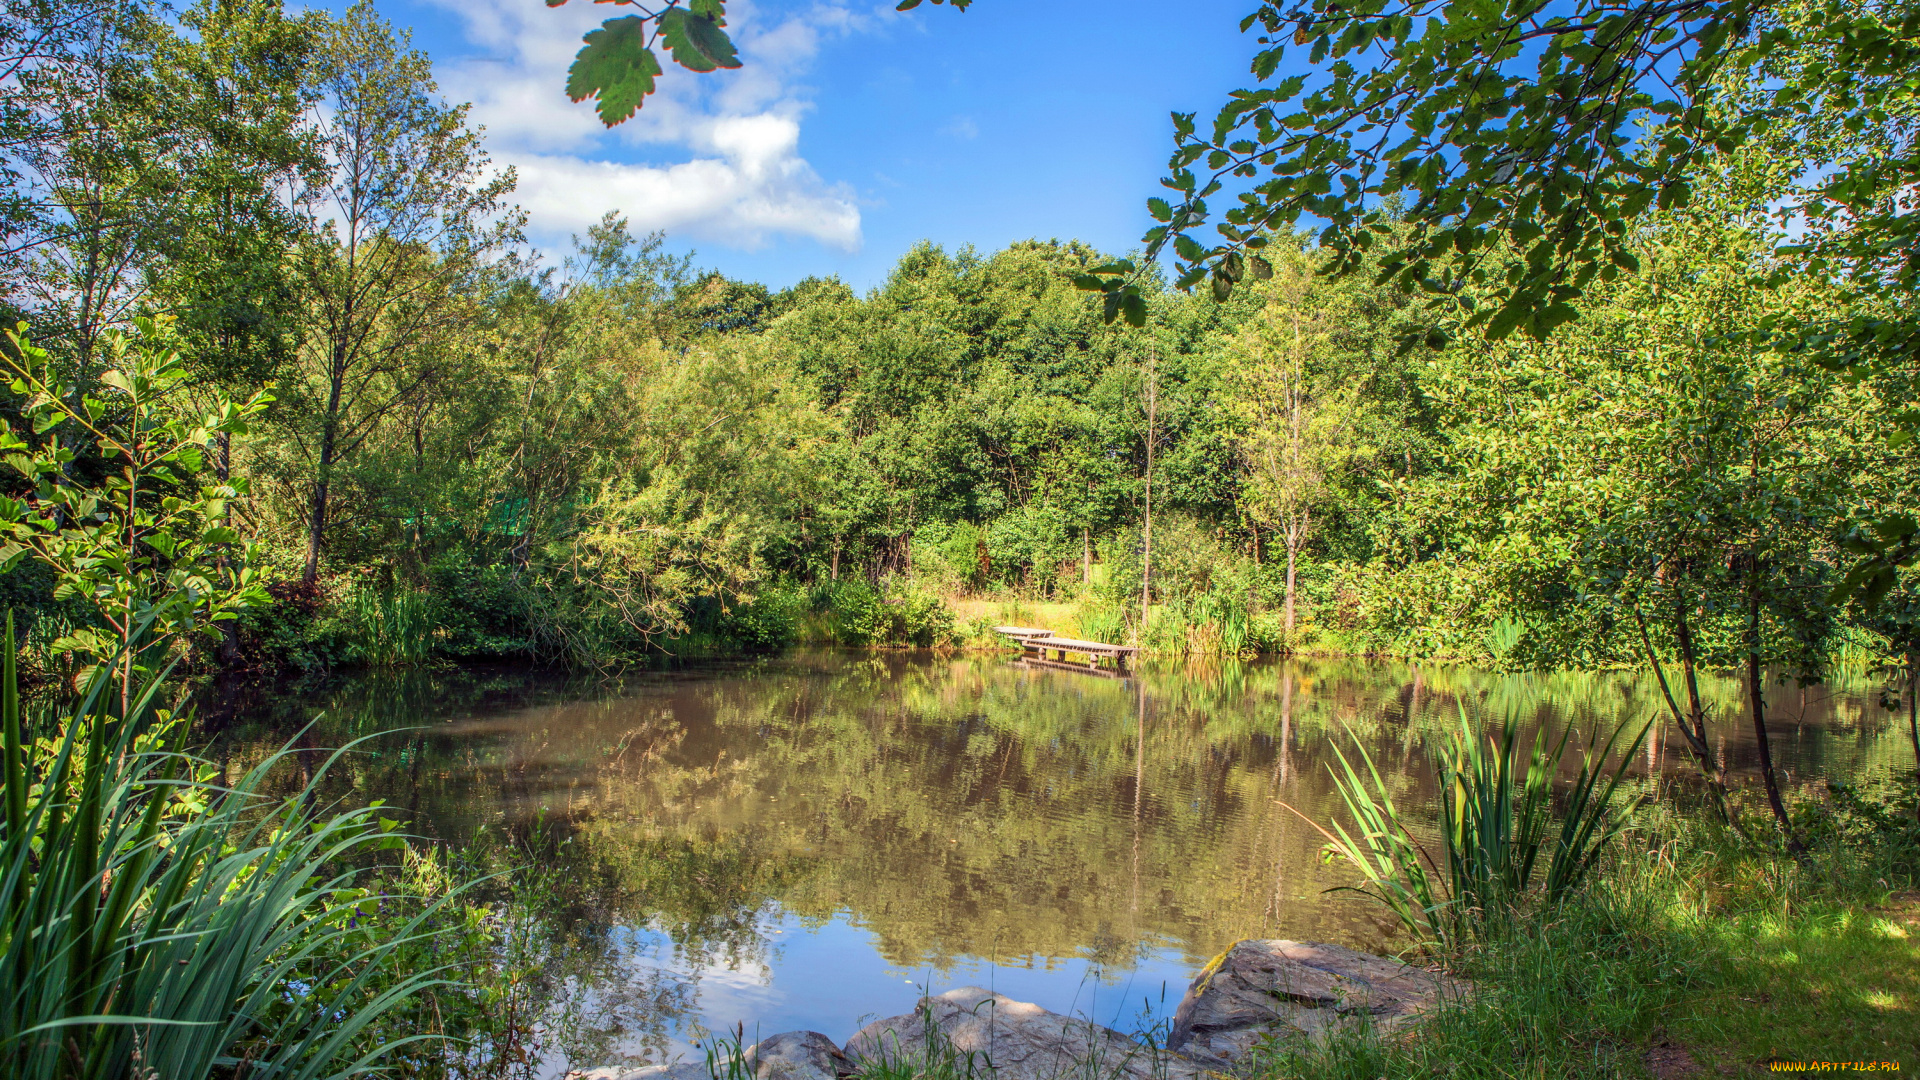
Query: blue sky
[853, 130]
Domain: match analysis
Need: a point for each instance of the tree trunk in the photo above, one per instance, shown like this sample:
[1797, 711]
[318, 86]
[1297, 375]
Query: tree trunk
[1086, 556]
[1694, 725]
[1296, 532]
[1757, 705]
[1146, 551]
[1693, 721]
[323, 478]
[1913, 713]
[228, 653]
[316, 521]
[420, 473]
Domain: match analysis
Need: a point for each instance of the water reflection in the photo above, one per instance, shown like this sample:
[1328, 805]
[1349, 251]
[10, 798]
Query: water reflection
[797, 842]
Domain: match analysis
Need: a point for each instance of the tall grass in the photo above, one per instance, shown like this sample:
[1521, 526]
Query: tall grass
[159, 924]
[393, 627]
[1209, 624]
[1102, 622]
[1497, 820]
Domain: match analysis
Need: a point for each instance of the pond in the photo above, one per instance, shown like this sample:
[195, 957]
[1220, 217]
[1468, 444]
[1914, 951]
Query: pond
[809, 841]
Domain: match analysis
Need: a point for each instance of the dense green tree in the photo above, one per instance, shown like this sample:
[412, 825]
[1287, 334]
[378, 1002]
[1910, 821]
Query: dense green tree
[1658, 480]
[233, 91]
[397, 234]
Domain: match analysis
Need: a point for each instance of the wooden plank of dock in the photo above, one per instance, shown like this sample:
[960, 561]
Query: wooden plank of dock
[1094, 651]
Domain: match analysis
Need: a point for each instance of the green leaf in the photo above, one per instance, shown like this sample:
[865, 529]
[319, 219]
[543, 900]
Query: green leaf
[1505, 320]
[1135, 307]
[615, 66]
[697, 42]
[711, 9]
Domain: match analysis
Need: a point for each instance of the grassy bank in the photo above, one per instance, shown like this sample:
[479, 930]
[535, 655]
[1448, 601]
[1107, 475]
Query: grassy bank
[1695, 952]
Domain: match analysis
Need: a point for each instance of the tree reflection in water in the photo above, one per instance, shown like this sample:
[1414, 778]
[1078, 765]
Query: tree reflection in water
[799, 837]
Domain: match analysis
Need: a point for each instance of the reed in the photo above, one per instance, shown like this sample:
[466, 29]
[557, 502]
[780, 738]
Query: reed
[159, 924]
[1497, 822]
[394, 627]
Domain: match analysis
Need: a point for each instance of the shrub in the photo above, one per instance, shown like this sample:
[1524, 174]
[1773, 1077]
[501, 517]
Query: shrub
[925, 620]
[858, 614]
[771, 620]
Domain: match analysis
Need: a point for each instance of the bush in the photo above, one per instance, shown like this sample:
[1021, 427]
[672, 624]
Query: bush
[771, 620]
[1027, 545]
[857, 614]
[950, 555]
[925, 620]
[860, 614]
[483, 612]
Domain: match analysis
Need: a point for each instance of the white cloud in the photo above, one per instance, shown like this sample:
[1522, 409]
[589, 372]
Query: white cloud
[757, 187]
[744, 182]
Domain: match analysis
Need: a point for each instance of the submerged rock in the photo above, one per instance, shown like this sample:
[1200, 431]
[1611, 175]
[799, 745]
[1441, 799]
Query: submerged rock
[1012, 1040]
[790, 1055]
[1258, 989]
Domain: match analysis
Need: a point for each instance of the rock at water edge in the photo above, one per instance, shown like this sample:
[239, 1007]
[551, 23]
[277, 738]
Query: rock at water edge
[790, 1055]
[797, 1055]
[1012, 1040]
[1259, 989]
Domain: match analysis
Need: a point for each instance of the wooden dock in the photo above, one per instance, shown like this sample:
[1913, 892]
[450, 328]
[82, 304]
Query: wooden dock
[1037, 644]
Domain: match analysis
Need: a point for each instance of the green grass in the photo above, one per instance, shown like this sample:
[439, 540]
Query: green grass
[1701, 955]
[1829, 980]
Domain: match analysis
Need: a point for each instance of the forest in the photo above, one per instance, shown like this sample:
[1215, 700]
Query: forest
[1602, 363]
[465, 448]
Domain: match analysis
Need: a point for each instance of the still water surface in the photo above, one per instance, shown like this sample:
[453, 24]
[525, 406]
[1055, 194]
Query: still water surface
[808, 840]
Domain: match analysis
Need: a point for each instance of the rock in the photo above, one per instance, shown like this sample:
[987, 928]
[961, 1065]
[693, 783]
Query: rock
[1258, 989]
[796, 1055]
[679, 1070]
[1013, 1040]
[790, 1055]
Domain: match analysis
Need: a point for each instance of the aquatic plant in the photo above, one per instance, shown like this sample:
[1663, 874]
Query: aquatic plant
[158, 923]
[392, 627]
[1496, 821]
